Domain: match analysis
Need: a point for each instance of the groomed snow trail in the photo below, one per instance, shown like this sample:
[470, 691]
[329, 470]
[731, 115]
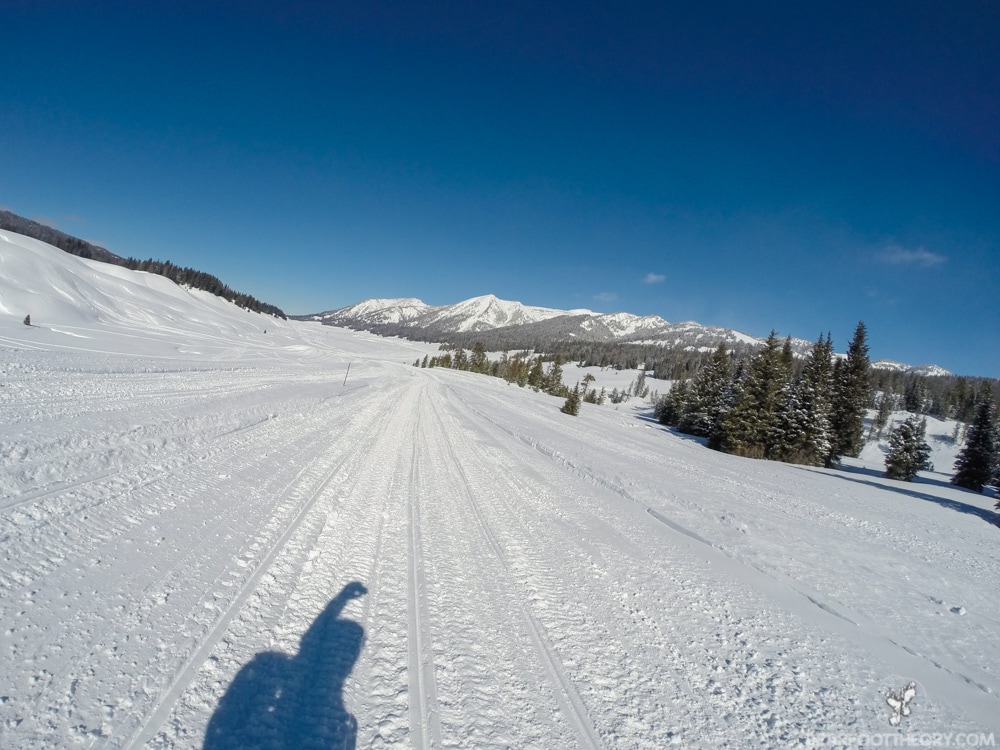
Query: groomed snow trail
[170, 532]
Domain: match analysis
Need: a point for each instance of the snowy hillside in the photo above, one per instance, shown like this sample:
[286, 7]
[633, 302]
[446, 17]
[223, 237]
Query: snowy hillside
[215, 536]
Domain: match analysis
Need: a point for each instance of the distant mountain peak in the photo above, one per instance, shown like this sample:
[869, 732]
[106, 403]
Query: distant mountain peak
[929, 370]
[513, 325]
[523, 324]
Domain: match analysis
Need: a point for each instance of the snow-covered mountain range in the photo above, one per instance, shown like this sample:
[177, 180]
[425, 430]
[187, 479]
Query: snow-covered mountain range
[489, 313]
[520, 326]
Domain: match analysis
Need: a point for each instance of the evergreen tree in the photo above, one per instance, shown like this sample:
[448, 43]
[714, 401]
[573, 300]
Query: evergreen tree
[670, 409]
[908, 453]
[976, 465]
[572, 405]
[852, 395]
[523, 372]
[478, 362]
[882, 416]
[708, 396]
[553, 378]
[749, 428]
[803, 432]
[638, 386]
[915, 397]
[787, 357]
[536, 378]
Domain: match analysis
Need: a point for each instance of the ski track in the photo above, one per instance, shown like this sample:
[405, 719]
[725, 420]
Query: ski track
[161, 527]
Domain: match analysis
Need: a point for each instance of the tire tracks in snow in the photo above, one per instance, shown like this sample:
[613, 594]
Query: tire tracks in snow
[197, 573]
[572, 705]
[782, 590]
[108, 636]
[424, 723]
[329, 551]
[319, 493]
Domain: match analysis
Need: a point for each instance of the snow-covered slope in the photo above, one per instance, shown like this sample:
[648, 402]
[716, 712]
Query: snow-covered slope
[929, 370]
[88, 306]
[220, 540]
[76, 303]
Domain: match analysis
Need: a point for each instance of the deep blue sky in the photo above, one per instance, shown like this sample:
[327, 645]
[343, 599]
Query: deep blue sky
[797, 166]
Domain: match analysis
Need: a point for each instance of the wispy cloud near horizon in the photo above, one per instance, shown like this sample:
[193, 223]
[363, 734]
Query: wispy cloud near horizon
[606, 297]
[900, 256]
[654, 278]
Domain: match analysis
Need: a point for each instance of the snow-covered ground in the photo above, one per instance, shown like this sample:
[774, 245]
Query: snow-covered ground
[215, 535]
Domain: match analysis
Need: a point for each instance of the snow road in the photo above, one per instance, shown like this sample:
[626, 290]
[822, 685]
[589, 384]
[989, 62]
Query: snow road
[192, 551]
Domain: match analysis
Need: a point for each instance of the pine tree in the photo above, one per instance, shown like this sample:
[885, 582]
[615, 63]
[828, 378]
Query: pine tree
[638, 386]
[553, 378]
[708, 395]
[522, 373]
[976, 465]
[803, 432]
[882, 416]
[572, 405]
[852, 395]
[908, 453]
[536, 377]
[478, 362]
[670, 409]
[749, 428]
[915, 397]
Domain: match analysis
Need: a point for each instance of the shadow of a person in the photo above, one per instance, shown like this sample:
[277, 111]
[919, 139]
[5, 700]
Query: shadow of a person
[278, 701]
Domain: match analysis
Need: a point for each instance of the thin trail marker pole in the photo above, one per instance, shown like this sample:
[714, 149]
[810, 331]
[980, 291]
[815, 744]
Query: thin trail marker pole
[347, 373]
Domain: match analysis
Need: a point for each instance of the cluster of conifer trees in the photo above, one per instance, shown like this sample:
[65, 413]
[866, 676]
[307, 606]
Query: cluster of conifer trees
[523, 369]
[771, 406]
[201, 280]
[941, 396]
[768, 404]
[979, 462]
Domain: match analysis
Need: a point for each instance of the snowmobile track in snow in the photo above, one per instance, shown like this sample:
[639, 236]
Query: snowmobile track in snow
[573, 706]
[424, 724]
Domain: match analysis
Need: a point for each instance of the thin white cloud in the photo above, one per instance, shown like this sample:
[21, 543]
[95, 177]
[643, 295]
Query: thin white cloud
[606, 297]
[654, 278]
[900, 256]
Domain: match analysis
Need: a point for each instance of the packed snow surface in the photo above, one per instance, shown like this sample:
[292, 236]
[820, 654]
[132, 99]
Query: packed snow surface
[216, 536]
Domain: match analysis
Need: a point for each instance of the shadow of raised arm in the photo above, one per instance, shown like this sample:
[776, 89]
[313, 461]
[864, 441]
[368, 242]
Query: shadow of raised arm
[279, 701]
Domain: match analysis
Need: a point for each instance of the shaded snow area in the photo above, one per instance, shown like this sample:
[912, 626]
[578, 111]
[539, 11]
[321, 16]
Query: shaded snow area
[209, 538]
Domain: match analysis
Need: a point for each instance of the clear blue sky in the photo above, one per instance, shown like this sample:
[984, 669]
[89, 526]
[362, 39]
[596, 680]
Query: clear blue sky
[796, 165]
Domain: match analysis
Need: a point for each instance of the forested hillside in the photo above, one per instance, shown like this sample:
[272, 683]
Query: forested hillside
[178, 274]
